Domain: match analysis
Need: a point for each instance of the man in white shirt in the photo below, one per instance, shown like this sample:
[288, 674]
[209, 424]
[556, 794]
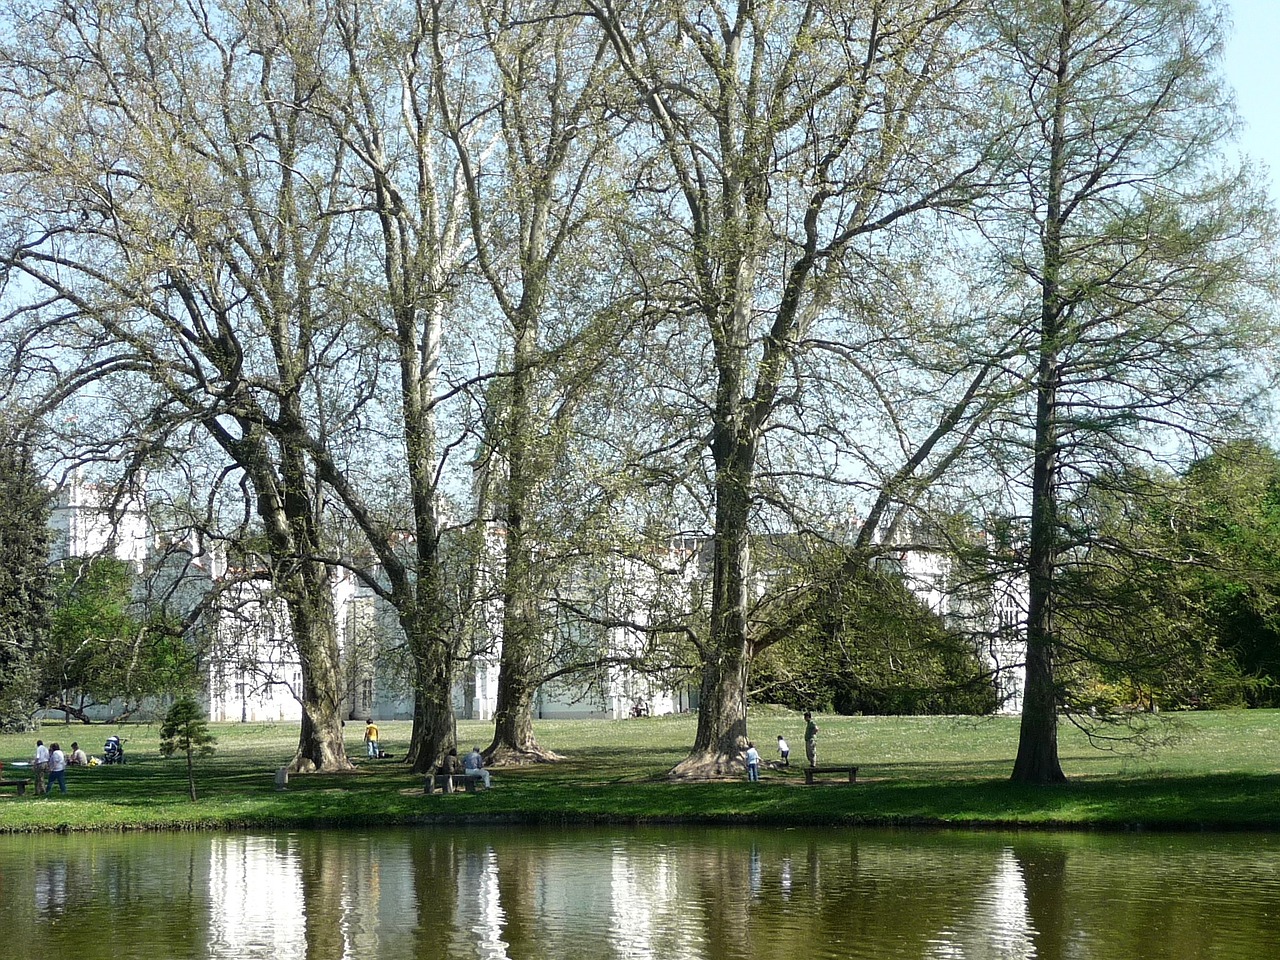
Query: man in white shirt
[57, 769]
[473, 766]
[40, 766]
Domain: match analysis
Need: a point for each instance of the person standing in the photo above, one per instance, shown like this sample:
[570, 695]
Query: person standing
[57, 770]
[371, 737]
[784, 751]
[473, 766]
[810, 739]
[753, 763]
[40, 766]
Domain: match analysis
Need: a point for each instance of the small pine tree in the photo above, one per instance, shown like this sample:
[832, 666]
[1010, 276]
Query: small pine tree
[185, 729]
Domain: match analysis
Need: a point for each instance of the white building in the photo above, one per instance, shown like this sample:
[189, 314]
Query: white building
[993, 615]
[89, 519]
[252, 672]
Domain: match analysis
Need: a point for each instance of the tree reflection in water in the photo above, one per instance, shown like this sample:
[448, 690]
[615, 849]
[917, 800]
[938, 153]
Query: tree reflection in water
[708, 894]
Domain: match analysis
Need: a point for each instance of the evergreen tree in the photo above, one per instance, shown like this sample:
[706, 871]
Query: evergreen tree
[24, 597]
[185, 729]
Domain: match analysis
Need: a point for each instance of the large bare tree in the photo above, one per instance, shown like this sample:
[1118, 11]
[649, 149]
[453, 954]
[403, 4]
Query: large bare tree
[167, 193]
[780, 141]
[530, 118]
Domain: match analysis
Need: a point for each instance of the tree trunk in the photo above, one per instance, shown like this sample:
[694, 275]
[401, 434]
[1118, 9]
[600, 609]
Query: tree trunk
[435, 728]
[1037, 760]
[518, 682]
[722, 710]
[722, 721]
[513, 738]
[311, 616]
[191, 775]
[69, 711]
[519, 674]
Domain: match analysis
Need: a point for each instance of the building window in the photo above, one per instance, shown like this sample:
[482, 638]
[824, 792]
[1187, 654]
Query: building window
[366, 693]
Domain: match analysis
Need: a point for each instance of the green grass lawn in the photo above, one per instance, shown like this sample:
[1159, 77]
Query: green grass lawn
[1219, 771]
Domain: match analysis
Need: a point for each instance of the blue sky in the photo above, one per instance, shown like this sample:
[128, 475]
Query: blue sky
[1253, 67]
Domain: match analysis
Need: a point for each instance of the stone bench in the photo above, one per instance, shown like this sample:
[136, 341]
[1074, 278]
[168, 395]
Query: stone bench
[811, 772]
[449, 782]
[21, 785]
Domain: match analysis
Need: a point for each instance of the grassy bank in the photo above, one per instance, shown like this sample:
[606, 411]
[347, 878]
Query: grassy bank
[1221, 772]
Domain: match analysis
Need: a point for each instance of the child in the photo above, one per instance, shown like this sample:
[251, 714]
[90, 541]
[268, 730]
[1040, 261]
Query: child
[753, 762]
[784, 751]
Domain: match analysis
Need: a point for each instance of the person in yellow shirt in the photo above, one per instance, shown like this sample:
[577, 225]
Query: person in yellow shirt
[371, 737]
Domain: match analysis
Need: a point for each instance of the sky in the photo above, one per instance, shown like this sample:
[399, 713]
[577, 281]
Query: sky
[1253, 67]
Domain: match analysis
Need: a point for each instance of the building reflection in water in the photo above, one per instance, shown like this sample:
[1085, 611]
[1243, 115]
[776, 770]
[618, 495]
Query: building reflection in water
[999, 927]
[650, 915]
[50, 887]
[479, 910]
[255, 887]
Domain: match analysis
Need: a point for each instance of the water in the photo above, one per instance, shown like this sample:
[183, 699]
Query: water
[648, 893]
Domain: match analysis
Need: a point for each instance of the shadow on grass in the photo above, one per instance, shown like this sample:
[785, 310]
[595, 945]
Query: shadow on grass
[613, 774]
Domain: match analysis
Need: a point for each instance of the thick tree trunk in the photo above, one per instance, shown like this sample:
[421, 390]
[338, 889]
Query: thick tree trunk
[513, 738]
[435, 727]
[722, 710]
[519, 672]
[514, 741]
[311, 615]
[1037, 760]
[287, 507]
[722, 721]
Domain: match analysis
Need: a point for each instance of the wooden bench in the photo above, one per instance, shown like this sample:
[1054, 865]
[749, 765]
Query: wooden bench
[449, 782]
[20, 784]
[811, 772]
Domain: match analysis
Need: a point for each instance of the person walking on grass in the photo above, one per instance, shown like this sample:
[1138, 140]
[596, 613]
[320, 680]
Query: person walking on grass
[371, 738]
[753, 763]
[784, 751]
[57, 770]
[810, 739]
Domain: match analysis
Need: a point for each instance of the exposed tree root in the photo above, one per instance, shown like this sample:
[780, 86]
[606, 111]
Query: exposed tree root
[710, 765]
[301, 764]
[513, 757]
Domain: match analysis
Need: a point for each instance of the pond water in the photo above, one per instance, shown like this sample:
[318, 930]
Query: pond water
[647, 893]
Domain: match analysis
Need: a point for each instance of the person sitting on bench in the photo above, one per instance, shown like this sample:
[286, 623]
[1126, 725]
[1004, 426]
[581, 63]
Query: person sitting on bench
[473, 766]
[451, 764]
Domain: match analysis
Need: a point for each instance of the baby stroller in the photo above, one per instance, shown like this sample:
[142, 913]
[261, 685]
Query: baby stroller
[113, 750]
